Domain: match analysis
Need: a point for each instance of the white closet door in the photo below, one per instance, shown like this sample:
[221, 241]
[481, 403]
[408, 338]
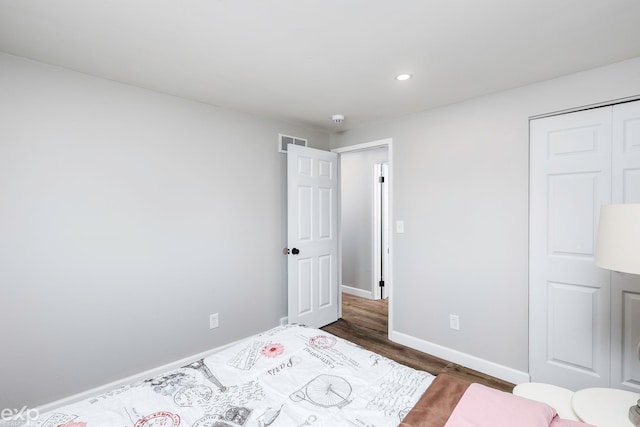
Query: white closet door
[569, 311]
[625, 288]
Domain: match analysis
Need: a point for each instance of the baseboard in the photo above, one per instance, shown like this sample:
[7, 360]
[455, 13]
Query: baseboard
[131, 379]
[487, 367]
[357, 292]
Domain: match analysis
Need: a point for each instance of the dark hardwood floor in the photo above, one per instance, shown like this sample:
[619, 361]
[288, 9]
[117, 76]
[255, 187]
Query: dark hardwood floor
[364, 322]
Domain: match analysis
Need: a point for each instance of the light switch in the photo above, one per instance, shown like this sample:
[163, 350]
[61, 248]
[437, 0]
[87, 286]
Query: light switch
[399, 226]
[213, 321]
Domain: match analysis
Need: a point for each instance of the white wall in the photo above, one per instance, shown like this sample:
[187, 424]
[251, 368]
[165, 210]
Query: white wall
[461, 186]
[356, 218]
[126, 218]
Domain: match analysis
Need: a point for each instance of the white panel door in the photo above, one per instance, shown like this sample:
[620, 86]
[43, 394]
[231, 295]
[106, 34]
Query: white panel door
[569, 319]
[312, 209]
[625, 288]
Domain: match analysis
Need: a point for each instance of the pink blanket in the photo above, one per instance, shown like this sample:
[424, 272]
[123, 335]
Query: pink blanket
[482, 406]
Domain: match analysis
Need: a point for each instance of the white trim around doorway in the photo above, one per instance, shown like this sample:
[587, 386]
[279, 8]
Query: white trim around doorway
[387, 142]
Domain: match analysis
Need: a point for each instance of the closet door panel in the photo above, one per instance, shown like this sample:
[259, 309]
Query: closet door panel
[626, 153]
[569, 295]
[571, 207]
[625, 288]
[625, 333]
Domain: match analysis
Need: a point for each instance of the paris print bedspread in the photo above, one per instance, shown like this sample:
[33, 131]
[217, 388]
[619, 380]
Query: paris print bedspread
[288, 376]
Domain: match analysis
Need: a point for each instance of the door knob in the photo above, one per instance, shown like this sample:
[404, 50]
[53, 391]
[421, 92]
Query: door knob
[295, 251]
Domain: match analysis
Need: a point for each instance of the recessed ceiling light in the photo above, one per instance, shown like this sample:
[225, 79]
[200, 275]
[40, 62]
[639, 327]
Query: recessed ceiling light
[402, 77]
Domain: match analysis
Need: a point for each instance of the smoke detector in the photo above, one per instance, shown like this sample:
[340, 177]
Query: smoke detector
[337, 118]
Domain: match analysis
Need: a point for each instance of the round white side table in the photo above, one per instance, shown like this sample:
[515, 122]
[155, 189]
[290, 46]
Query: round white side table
[557, 397]
[604, 407]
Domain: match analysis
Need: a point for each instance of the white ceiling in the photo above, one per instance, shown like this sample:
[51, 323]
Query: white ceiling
[303, 60]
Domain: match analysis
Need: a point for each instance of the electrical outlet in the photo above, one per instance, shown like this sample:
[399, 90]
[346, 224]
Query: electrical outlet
[454, 322]
[213, 321]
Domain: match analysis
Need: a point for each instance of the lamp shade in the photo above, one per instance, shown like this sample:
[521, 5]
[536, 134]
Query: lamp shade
[618, 244]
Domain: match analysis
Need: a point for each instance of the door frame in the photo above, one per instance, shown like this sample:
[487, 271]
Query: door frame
[387, 142]
[381, 231]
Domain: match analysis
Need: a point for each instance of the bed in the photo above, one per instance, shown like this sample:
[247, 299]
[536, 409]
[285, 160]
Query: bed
[287, 376]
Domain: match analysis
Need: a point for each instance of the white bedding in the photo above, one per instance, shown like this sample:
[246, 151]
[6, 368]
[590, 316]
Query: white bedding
[287, 376]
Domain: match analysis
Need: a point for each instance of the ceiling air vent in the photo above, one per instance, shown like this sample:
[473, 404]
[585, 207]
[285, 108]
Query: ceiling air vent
[285, 140]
